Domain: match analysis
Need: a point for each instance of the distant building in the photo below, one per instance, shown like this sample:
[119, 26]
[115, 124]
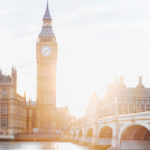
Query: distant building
[41, 117]
[31, 116]
[128, 100]
[90, 115]
[62, 118]
[12, 106]
[91, 110]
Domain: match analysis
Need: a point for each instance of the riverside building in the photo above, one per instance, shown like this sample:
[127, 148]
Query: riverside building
[12, 106]
[17, 116]
[126, 99]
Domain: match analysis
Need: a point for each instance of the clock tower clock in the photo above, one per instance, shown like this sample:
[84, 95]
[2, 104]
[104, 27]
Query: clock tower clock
[46, 56]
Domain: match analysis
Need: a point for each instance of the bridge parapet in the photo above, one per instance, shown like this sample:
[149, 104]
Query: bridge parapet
[127, 117]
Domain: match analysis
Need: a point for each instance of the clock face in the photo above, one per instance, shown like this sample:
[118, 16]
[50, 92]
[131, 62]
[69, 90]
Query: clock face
[46, 51]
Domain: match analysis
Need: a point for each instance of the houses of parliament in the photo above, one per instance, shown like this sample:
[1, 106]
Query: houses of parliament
[17, 114]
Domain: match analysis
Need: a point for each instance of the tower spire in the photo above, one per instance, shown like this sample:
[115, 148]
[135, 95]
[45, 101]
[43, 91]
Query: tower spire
[140, 84]
[47, 30]
[47, 15]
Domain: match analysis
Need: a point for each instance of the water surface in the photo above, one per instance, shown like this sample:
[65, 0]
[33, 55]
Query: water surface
[39, 146]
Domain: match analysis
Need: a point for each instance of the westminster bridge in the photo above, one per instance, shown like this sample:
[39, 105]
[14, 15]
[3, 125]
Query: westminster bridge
[121, 132]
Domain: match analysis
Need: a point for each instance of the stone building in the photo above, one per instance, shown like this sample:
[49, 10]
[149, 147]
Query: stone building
[31, 116]
[41, 117]
[127, 99]
[46, 56]
[12, 106]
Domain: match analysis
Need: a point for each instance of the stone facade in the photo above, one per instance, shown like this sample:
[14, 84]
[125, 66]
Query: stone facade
[64, 120]
[40, 117]
[31, 116]
[46, 55]
[128, 100]
[12, 106]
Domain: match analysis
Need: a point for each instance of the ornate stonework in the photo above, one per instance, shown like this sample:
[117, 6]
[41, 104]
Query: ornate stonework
[12, 106]
[46, 54]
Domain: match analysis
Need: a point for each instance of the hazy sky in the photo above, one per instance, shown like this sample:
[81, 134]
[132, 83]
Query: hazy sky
[98, 40]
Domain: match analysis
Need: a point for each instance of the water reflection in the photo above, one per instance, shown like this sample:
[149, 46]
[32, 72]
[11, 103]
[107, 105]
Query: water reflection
[39, 146]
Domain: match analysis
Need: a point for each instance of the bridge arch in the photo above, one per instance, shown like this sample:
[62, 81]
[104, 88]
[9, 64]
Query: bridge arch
[105, 132]
[136, 132]
[101, 127]
[80, 133]
[105, 135]
[146, 125]
[135, 135]
[89, 132]
[89, 135]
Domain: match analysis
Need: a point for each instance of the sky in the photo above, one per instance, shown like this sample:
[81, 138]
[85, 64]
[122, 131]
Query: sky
[98, 41]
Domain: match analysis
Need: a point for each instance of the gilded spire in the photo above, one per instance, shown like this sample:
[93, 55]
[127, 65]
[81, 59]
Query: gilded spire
[47, 15]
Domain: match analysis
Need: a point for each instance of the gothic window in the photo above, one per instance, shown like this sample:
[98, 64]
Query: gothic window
[4, 108]
[131, 102]
[125, 102]
[137, 108]
[148, 102]
[142, 102]
[4, 92]
[4, 122]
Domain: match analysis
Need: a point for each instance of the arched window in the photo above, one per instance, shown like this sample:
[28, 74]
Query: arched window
[4, 92]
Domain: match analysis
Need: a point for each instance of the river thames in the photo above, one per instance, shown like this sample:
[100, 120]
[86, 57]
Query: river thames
[39, 146]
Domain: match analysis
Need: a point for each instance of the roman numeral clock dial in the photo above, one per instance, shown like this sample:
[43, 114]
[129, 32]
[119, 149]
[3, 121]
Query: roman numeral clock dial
[46, 51]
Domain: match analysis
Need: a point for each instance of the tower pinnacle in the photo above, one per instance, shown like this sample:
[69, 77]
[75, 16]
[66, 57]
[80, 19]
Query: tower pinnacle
[47, 30]
[47, 15]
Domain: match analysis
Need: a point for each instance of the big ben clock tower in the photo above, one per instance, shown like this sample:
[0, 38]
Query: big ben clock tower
[46, 55]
